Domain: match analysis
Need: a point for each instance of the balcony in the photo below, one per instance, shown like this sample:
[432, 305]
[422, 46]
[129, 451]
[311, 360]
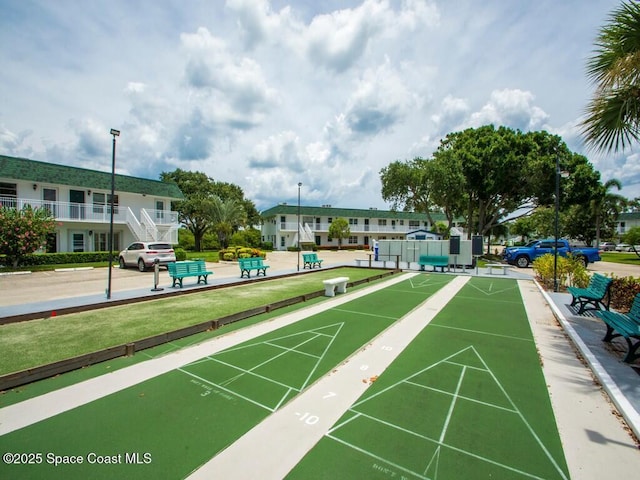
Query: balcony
[355, 229]
[88, 212]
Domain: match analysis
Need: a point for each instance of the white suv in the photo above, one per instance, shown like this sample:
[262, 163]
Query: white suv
[143, 255]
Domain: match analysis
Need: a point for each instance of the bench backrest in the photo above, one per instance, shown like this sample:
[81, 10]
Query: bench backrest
[310, 257]
[634, 313]
[193, 266]
[434, 258]
[600, 284]
[250, 262]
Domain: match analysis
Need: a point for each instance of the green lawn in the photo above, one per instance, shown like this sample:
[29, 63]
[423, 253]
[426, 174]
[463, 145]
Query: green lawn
[627, 258]
[39, 342]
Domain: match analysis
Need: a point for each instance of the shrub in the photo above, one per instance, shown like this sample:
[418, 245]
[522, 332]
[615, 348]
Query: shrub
[570, 271]
[623, 291]
[234, 252]
[181, 254]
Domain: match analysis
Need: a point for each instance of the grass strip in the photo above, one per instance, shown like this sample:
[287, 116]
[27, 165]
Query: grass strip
[39, 342]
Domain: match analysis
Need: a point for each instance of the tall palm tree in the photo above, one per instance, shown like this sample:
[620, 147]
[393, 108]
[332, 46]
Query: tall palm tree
[226, 215]
[613, 115]
[606, 204]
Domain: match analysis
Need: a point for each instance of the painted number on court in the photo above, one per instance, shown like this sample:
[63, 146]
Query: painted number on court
[387, 348]
[307, 418]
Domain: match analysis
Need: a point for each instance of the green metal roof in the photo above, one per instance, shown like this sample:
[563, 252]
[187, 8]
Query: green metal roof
[348, 213]
[629, 216]
[35, 171]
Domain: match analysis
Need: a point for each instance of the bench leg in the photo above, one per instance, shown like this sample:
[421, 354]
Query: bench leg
[342, 288]
[329, 291]
[632, 351]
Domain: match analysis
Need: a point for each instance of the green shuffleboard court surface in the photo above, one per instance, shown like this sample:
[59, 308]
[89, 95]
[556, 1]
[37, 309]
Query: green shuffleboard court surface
[168, 426]
[466, 399]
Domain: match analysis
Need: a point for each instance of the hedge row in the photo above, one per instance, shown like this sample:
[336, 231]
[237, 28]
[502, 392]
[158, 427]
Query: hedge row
[63, 258]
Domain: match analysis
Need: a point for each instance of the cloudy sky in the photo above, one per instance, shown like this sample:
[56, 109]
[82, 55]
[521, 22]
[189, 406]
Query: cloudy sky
[269, 93]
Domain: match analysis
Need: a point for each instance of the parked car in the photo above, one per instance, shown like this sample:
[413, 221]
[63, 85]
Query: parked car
[143, 255]
[625, 247]
[607, 246]
[523, 256]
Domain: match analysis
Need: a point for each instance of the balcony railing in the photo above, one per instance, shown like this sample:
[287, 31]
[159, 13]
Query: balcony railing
[359, 228]
[88, 212]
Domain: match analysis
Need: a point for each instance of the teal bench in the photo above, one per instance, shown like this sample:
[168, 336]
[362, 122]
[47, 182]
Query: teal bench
[597, 295]
[252, 263]
[191, 268]
[311, 260]
[435, 261]
[626, 326]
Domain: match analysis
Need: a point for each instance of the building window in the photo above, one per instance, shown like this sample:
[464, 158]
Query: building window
[102, 201]
[382, 222]
[353, 221]
[329, 220]
[353, 240]
[414, 224]
[282, 241]
[8, 195]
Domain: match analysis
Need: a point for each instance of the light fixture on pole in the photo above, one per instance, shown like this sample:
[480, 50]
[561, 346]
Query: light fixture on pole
[115, 134]
[299, 185]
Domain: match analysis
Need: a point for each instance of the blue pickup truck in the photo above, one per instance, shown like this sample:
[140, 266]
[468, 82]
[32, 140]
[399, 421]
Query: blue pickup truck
[523, 256]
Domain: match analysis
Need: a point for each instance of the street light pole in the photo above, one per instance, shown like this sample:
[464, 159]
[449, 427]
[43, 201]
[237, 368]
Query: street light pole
[115, 134]
[557, 208]
[299, 185]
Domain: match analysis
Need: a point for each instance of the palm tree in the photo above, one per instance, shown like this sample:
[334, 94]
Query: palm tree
[613, 116]
[606, 204]
[226, 216]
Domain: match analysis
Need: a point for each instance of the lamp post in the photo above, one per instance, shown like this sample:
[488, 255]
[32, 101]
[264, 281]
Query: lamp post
[557, 209]
[115, 134]
[299, 185]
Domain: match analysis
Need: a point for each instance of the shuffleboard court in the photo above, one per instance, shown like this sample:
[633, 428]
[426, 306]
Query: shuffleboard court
[169, 425]
[466, 399]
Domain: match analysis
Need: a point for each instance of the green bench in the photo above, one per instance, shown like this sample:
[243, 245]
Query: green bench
[435, 261]
[597, 295]
[190, 268]
[626, 326]
[311, 260]
[252, 263]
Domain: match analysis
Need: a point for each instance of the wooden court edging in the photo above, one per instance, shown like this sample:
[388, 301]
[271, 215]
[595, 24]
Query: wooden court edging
[34, 374]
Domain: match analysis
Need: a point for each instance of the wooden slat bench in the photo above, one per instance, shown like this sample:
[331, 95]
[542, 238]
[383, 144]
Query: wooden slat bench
[436, 261]
[252, 263]
[311, 260]
[191, 268]
[333, 285]
[626, 326]
[596, 296]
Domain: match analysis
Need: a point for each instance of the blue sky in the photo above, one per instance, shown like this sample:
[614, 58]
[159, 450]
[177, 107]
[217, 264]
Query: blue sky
[266, 94]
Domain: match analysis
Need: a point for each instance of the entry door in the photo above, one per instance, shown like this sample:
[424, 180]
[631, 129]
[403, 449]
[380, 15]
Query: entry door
[77, 242]
[76, 200]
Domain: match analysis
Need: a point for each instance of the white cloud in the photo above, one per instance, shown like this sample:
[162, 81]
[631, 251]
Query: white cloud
[268, 93]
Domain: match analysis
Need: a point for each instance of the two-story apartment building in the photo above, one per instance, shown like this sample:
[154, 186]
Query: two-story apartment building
[280, 225]
[627, 221]
[79, 199]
